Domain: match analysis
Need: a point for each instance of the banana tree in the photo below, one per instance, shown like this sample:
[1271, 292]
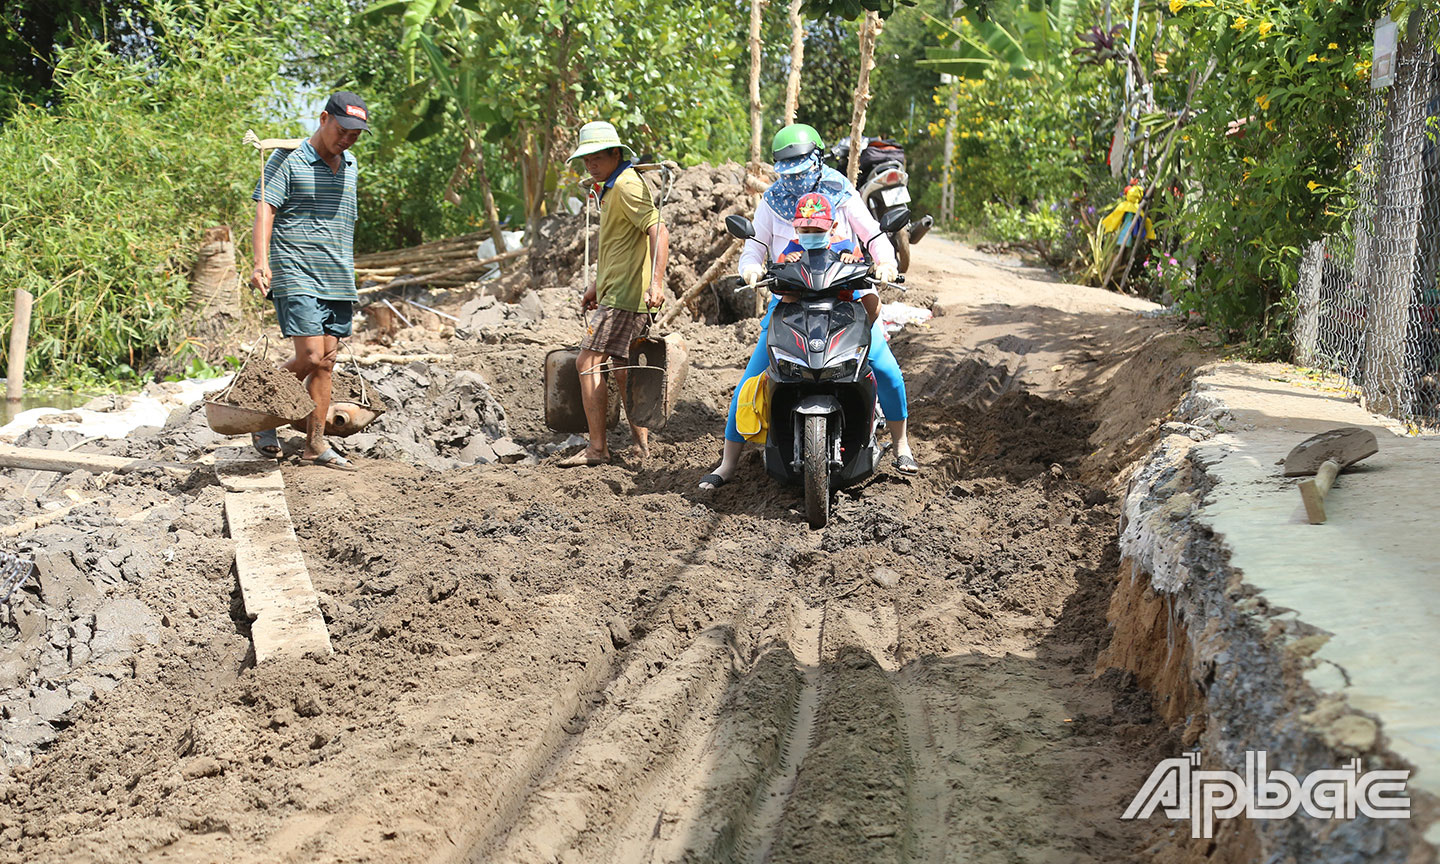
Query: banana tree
[1034, 38]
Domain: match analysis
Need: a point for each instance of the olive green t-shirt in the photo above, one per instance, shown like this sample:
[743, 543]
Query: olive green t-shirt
[623, 271]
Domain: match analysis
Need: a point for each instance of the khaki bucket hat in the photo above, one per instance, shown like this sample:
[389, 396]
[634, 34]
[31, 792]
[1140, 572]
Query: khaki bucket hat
[598, 136]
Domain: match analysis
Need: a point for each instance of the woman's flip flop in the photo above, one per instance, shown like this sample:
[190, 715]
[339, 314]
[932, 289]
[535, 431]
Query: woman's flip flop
[907, 465]
[715, 481]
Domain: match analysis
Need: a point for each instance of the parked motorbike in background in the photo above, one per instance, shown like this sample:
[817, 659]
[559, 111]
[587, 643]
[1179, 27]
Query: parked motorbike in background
[882, 183]
[821, 416]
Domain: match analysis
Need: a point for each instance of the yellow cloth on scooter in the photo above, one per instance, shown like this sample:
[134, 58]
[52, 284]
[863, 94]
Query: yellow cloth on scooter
[753, 409]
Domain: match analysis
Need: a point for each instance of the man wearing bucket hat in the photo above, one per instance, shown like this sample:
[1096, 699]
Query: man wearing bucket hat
[629, 279]
[305, 228]
[796, 150]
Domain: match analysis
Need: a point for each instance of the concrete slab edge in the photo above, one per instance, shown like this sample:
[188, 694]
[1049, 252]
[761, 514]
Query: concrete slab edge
[1248, 659]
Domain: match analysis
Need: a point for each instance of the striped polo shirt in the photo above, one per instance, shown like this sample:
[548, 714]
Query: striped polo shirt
[312, 246]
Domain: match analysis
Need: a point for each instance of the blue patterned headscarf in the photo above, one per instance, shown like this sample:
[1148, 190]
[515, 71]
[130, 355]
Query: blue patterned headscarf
[785, 193]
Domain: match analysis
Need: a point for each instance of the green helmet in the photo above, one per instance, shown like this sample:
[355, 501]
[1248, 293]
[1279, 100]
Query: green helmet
[795, 140]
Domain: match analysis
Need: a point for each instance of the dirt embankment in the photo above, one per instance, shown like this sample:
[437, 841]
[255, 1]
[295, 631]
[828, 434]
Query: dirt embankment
[535, 664]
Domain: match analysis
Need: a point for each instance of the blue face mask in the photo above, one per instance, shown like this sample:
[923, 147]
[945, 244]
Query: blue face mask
[813, 241]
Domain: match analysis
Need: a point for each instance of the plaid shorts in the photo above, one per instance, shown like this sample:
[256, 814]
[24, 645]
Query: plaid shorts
[611, 331]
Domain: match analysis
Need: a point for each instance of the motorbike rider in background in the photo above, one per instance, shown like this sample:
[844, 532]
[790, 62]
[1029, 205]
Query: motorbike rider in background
[796, 150]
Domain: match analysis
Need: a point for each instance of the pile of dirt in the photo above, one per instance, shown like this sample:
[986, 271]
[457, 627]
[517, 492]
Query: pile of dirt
[348, 386]
[439, 418]
[699, 200]
[268, 389]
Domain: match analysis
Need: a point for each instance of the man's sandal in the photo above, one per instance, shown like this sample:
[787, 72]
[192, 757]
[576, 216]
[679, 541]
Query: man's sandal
[331, 459]
[266, 443]
[582, 460]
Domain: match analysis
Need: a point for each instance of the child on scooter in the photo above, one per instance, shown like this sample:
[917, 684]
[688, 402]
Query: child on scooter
[813, 223]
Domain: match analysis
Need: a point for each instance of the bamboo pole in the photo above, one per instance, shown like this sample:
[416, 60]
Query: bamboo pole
[756, 8]
[797, 60]
[19, 344]
[466, 267]
[869, 31]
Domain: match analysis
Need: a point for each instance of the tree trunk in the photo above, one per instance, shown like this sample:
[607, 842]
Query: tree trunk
[869, 30]
[487, 193]
[756, 7]
[952, 108]
[947, 181]
[797, 60]
[472, 158]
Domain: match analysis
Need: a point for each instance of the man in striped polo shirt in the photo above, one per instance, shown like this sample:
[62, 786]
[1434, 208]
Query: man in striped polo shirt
[305, 257]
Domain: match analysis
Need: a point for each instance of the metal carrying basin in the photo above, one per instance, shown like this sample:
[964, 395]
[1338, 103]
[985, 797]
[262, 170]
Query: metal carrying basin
[656, 376]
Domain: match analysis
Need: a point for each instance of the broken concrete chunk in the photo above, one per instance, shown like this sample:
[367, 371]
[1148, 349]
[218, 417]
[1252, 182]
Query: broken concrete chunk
[52, 706]
[885, 577]
[478, 451]
[508, 451]
[528, 307]
[122, 626]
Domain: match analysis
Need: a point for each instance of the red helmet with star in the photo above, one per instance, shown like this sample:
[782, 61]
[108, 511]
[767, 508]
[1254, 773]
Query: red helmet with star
[813, 210]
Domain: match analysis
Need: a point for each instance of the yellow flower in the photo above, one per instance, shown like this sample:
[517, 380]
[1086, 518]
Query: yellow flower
[1204, 4]
[1264, 27]
[1263, 101]
[1240, 23]
[1176, 6]
[1245, 176]
[964, 134]
[1362, 68]
[1270, 124]
[1312, 58]
[1332, 46]
[1312, 185]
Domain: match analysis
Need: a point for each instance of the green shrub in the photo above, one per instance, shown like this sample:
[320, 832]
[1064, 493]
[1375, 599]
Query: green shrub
[107, 191]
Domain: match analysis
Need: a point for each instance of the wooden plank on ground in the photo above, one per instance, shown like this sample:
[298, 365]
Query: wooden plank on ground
[64, 461]
[280, 600]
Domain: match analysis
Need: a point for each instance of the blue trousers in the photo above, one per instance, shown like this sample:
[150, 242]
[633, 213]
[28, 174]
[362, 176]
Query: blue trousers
[889, 383]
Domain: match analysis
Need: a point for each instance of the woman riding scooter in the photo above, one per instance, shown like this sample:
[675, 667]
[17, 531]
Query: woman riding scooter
[796, 150]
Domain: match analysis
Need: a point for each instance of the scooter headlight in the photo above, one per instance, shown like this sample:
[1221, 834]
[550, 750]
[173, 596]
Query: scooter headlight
[843, 367]
[790, 367]
[842, 371]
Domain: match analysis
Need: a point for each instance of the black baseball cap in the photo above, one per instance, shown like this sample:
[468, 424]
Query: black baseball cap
[348, 110]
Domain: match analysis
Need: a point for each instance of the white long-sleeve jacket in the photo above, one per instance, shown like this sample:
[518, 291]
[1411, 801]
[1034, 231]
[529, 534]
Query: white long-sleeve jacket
[775, 231]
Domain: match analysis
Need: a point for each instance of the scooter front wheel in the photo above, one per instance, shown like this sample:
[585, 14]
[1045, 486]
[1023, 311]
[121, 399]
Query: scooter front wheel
[817, 471]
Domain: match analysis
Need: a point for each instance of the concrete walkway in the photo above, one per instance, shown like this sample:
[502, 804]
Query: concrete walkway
[1369, 576]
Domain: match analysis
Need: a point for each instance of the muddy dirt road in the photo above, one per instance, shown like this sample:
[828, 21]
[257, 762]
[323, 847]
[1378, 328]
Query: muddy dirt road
[607, 665]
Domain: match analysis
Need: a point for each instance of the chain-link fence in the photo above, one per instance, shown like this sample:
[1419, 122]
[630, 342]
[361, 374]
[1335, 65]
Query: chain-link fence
[1369, 299]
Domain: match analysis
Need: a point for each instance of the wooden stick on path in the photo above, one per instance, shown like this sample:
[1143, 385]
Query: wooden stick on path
[706, 278]
[64, 462]
[19, 344]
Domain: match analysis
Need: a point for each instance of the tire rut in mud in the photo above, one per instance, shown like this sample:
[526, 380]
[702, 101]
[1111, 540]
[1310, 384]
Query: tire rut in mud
[825, 714]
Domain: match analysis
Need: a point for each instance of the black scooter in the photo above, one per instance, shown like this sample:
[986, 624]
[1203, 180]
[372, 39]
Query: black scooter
[822, 419]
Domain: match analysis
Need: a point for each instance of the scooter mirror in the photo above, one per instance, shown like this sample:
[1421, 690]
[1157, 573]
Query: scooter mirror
[894, 220]
[739, 227]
